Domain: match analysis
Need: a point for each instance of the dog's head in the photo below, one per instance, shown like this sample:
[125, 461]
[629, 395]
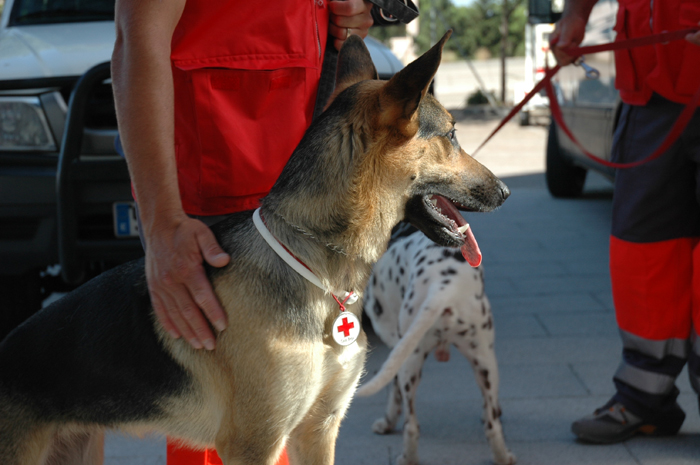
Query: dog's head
[384, 151]
[416, 137]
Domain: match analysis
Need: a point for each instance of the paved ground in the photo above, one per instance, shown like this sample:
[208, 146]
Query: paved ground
[547, 278]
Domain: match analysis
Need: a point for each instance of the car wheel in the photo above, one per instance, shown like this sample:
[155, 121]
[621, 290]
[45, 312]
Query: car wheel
[524, 118]
[564, 179]
[20, 297]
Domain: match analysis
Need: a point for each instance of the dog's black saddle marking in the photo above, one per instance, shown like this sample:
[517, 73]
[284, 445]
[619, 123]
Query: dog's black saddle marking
[93, 353]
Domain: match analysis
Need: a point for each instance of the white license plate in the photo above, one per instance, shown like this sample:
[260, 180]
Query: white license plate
[125, 222]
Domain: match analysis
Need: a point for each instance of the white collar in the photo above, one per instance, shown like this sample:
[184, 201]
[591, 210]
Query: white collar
[295, 264]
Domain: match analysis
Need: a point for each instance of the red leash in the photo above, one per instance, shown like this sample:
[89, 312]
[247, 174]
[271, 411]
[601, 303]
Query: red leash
[676, 130]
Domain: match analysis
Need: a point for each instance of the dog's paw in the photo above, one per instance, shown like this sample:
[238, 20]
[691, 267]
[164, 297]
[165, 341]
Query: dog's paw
[382, 426]
[505, 458]
[403, 460]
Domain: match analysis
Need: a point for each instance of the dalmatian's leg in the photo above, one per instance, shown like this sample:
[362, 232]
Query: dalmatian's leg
[478, 348]
[387, 423]
[408, 380]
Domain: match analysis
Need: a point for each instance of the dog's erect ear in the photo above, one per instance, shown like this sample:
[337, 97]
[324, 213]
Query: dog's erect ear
[404, 92]
[354, 65]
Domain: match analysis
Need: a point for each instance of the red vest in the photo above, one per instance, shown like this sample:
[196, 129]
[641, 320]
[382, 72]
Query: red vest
[671, 70]
[245, 76]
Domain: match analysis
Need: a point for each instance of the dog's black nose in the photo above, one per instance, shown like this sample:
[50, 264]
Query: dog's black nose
[505, 192]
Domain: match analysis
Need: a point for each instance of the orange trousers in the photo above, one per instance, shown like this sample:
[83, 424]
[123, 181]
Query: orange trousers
[177, 455]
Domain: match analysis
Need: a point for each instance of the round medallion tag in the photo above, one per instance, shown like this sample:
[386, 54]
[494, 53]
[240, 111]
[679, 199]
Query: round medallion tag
[346, 328]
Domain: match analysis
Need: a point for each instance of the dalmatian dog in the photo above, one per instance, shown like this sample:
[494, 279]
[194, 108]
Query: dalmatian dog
[424, 297]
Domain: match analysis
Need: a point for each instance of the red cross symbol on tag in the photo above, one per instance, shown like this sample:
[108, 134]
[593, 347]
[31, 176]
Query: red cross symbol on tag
[346, 328]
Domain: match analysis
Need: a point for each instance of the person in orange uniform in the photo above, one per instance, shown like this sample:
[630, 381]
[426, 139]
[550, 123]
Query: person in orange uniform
[655, 240]
[212, 97]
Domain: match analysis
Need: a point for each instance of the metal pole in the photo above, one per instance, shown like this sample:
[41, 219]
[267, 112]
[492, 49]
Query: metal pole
[504, 45]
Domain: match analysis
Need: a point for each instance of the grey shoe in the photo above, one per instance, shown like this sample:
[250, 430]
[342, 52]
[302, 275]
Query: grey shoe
[614, 423]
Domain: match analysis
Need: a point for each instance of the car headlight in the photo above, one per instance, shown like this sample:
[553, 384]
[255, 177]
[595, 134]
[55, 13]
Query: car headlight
[23, 125]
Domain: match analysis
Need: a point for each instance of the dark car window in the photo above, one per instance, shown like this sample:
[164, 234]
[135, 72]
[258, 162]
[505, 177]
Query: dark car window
[28, 12]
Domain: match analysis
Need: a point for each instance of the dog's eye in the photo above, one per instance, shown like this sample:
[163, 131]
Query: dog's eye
[452, 134]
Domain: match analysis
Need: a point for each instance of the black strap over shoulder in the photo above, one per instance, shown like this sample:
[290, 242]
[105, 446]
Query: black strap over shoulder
[389, 11]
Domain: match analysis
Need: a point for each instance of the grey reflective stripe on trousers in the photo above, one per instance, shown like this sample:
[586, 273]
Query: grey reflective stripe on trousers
[648, 381]
[657, 349]
[695, 353]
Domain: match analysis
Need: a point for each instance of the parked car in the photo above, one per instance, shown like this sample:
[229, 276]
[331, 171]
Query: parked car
[590, 107]
[65, 196]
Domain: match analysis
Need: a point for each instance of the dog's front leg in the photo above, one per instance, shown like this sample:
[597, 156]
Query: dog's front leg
[255, 424]
[313, 441]
[249, 445]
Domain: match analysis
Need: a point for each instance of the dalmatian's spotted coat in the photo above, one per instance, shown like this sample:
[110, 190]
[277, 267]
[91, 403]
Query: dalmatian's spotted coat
[423, 297]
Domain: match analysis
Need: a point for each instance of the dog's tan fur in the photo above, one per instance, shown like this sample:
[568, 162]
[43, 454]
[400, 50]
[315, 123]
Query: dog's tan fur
[277, 378]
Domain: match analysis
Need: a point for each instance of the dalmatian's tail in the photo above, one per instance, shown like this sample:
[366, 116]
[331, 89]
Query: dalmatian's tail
[425, 318]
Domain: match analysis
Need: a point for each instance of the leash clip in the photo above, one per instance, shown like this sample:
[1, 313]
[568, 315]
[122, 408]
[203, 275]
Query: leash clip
[388, 17]
[591, 72]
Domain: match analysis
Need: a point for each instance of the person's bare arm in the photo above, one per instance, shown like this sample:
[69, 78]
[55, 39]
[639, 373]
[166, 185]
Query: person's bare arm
[570, 29]
[175, 244]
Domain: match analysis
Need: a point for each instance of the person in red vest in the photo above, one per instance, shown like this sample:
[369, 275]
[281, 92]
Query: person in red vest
[212, 97]
[655, 239]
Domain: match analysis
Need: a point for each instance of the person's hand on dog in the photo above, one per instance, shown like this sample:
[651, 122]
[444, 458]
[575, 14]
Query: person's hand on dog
[349, 17]
[181, 295]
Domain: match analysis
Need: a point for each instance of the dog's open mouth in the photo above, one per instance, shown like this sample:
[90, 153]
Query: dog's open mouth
[446, 212]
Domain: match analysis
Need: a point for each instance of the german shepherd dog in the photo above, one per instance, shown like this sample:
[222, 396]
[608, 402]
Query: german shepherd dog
[97, 359]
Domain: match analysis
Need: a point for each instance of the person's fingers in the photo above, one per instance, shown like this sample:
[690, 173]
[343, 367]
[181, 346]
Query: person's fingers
[159, 284]
[211, 250]
[358, 25]
[349, 17]
[175, 315]
[694, 38]
[199, 286]
[201, 290]
[163, 318]
[568, 33]
[182, 307]
[338, 44]
[349, 7]
[339, 33]
[554, 36]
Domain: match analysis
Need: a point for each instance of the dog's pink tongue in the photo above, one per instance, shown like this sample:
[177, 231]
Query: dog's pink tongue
[470, 249]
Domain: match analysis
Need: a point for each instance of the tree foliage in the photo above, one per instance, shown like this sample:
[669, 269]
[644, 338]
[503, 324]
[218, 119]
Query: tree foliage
[476, 26]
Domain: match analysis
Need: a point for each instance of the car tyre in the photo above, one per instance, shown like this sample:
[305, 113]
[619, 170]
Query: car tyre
[524, 118]
[564, 179]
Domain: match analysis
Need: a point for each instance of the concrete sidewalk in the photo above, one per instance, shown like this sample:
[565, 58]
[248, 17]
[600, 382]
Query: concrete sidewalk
[546, 272]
